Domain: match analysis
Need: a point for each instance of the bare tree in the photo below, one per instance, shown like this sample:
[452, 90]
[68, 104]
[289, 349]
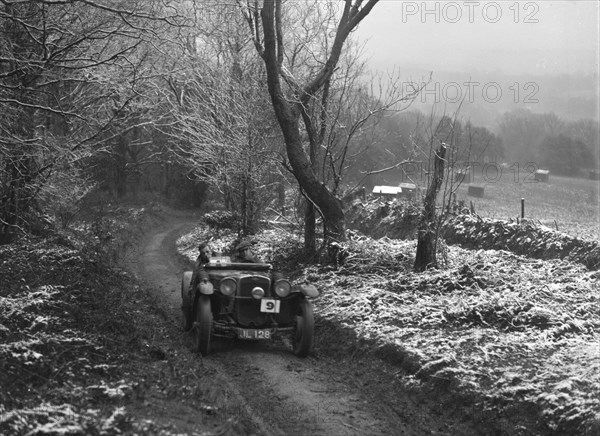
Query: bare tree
[68, 71]
[347, 121]
[291, 95]
[446, 133]
[426, 255]
[220, 122]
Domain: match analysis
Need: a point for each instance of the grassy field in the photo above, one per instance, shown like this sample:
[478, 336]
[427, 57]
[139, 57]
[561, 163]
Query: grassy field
[569, 203]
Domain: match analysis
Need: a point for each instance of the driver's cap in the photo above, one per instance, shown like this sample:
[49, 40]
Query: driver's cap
[243, 245]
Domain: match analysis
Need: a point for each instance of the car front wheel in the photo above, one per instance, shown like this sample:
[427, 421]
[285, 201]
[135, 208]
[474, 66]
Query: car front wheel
[305, 329]
[204, 321]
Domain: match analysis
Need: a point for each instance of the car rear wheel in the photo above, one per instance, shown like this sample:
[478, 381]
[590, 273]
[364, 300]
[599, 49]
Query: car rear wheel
[305, 329]
[204, 322]
[186, 305]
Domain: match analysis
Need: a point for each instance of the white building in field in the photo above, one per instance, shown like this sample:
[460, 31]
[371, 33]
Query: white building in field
[404, 190]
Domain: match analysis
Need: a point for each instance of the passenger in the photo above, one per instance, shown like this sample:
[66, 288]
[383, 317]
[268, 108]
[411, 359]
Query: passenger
[204, 253]
[199, 274]
[244, 253]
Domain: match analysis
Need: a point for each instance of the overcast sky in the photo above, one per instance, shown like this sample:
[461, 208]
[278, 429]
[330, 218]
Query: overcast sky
[524, 37]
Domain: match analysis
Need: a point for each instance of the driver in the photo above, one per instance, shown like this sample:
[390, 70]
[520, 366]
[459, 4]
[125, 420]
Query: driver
[243, 252]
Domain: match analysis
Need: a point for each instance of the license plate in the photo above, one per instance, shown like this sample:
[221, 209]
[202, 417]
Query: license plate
[269, 305]
[254, 334]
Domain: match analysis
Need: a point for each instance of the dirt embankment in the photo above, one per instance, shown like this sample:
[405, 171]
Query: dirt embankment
[517, 333]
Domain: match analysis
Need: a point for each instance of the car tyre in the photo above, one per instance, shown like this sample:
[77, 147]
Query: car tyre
[302, 340]
[187, 321]
[204, 322]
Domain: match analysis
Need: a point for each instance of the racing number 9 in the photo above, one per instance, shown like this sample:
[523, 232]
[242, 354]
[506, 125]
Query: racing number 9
[269, 305]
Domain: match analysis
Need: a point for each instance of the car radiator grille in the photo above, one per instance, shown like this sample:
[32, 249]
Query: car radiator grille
[247, 308]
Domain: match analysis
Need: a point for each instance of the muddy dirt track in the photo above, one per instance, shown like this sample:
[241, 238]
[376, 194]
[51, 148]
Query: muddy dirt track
[277, 393]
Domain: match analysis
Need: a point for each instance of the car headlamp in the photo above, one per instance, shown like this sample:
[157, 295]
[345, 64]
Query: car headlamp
[282, 288]
[227, 287]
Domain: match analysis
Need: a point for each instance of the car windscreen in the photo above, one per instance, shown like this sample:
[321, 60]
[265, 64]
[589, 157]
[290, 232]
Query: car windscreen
[238, 266]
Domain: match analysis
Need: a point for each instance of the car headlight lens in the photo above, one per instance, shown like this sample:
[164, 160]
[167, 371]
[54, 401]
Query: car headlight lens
[282, 288]
[227, 287]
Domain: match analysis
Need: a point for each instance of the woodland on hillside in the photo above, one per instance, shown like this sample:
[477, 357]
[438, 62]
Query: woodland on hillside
[110, 100]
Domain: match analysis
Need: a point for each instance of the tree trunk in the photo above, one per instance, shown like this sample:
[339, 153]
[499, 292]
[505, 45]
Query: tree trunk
[288, 117]
[281, 197]
[119, 168]
[329, 205]
[244, 206]
[310, 219]
[17, 196]
[310, 215]
[428, 228]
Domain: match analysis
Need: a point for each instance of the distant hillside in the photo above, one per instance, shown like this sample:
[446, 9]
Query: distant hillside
[487, 95]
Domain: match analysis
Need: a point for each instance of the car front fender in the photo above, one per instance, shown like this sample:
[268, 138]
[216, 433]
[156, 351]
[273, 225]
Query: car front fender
[206, 288]
[306, 289]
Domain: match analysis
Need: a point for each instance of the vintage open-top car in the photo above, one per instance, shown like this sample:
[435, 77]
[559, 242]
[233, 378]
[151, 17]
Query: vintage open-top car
[247, 301]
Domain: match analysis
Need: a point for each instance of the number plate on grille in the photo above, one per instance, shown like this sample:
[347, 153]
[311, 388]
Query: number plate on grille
[254, 334]
[269, 305]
